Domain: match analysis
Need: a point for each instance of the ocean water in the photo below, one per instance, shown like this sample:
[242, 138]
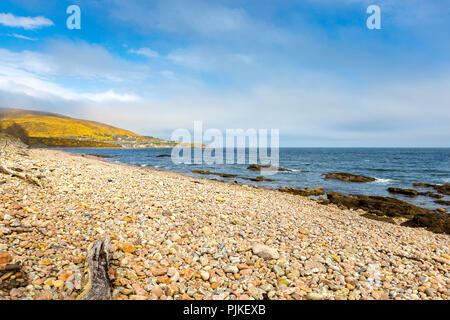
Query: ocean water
[392, 167]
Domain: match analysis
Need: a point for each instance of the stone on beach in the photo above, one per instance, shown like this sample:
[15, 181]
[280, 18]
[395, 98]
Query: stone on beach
[265, 252]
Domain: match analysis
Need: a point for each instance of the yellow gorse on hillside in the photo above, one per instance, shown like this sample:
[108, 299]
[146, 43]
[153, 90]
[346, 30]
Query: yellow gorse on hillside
[44, 126]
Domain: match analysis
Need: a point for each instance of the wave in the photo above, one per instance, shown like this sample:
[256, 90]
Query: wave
[383, 181]
[293, 170]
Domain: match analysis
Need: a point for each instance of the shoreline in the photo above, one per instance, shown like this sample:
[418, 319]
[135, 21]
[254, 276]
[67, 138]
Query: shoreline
[313, 196]
[180, 237]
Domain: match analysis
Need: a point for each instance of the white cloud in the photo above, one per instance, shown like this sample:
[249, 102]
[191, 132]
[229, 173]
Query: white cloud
[110, 95]
[28, 23]
[145, 52]
[19, 36]
[210, 59]
[33, 74]
[15, 81]
[168, 74]
[75, 59]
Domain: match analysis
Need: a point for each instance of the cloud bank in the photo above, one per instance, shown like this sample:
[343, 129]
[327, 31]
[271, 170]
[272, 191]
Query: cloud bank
[27, 23]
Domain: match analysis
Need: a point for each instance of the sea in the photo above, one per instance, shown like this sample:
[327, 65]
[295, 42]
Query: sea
[391, 167]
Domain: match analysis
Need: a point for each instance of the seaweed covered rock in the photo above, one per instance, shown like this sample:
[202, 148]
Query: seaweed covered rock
[444, 189]
[387, 209]
[436, 222]
[423, 185]
[378, 205]
[348, 177]
[443, 202]
[406, 192]
[258, 167]
[257, 179]
[304, 192]
[441, 188]
[431, 195]
[206, 172]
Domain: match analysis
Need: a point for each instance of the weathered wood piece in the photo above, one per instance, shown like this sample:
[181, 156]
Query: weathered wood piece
[97, 282]
[23, 176]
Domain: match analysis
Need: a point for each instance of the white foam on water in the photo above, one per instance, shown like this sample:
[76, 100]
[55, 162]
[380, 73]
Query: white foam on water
[383, 181]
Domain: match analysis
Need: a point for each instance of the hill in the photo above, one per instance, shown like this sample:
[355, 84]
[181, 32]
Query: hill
[54, 130]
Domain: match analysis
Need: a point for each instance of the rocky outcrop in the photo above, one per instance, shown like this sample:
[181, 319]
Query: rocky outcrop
[423, 185]
[407, 192]
[223, 175]
[431, 195]
[257, 179]
[414, 193]
[441, 188]
[436, 222]
[258, 167]
[444, 189]
[304, 192]
[443, 202]
[348, 177]
[380, 206]
[387, 209]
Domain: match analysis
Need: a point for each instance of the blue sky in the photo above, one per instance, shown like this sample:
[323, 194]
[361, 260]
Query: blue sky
[310, 68]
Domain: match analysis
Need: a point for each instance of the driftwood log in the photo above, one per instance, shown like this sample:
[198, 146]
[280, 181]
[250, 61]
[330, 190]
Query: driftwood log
[97, 284]
[23, 176]
[16, 172]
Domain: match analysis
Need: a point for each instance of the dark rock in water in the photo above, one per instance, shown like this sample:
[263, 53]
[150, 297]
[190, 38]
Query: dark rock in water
[408, 192]
[348, 177]
[257, 167]
[435, 222]
[223, 175]
[444, 189]
[423, 185]
[257, 179]
[443, 202]
[431, 195]
[164, 156]
[103, 156]
[381, 206]
[304, 192]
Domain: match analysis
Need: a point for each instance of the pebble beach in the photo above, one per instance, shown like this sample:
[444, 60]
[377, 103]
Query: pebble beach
[178, 237]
